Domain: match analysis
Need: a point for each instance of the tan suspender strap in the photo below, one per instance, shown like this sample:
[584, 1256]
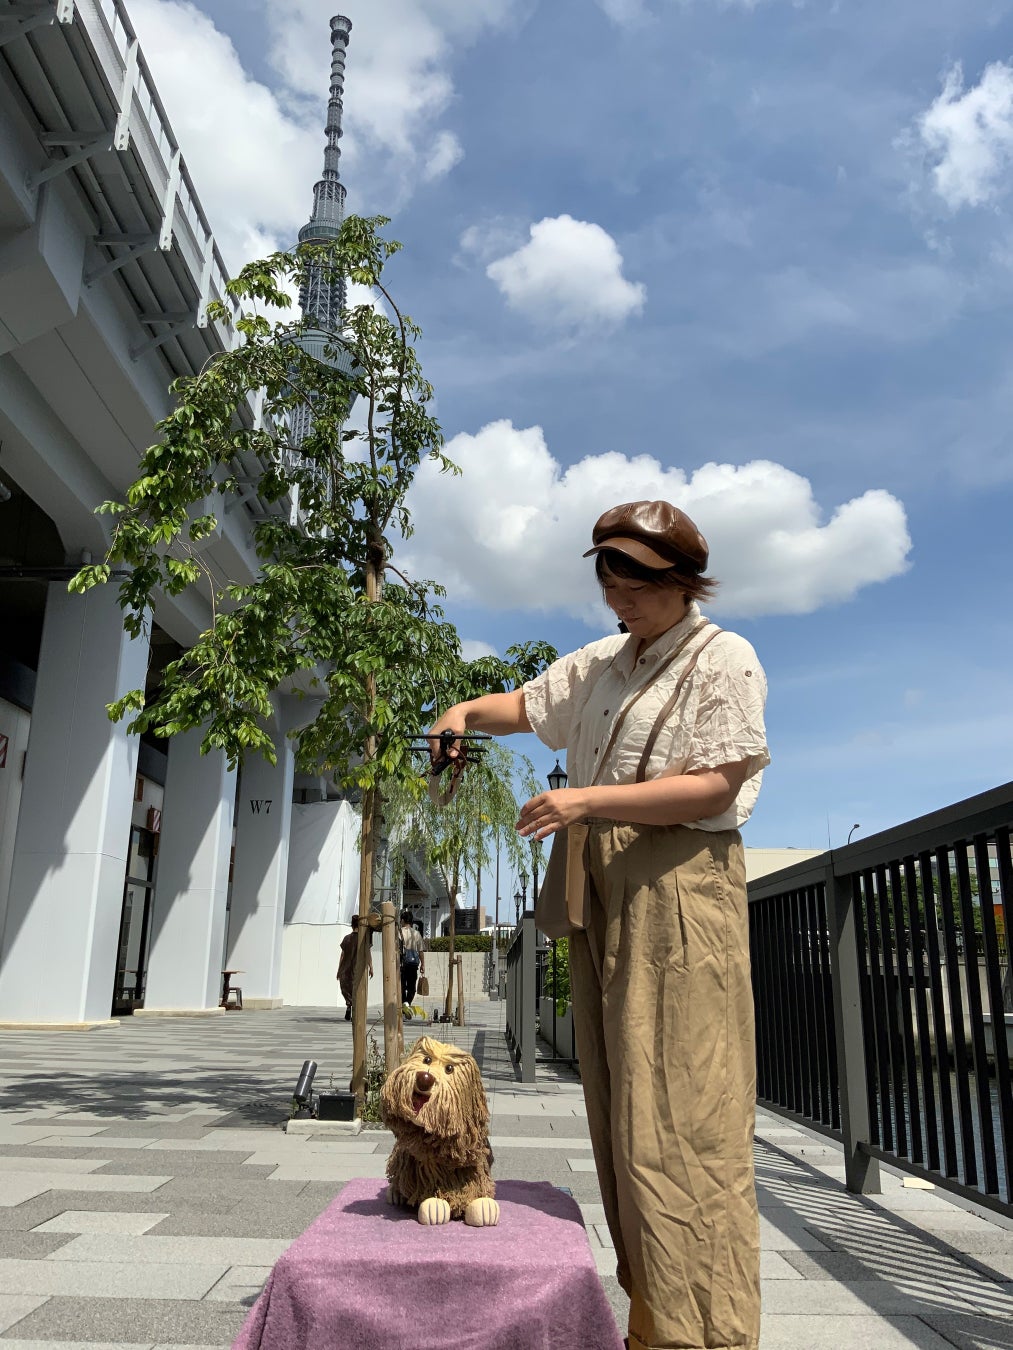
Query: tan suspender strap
[669, 707]
[618, 724]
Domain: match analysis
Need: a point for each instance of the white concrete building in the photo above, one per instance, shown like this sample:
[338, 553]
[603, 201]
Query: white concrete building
[118, 857]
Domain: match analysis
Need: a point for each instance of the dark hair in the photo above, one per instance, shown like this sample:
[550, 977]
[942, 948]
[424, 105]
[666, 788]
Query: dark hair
[693, 586]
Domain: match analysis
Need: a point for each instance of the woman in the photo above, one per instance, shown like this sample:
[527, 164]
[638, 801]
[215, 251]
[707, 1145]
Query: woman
[660, 978]
[346, 963]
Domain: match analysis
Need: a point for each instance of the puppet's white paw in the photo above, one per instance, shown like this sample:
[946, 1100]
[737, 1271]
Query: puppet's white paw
[482, 1213]
[434, 1211]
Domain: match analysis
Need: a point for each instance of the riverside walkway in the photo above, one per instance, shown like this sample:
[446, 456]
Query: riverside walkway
[146, 1188]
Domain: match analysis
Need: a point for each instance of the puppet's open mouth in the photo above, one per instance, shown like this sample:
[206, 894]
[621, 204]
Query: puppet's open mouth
[419, 1100]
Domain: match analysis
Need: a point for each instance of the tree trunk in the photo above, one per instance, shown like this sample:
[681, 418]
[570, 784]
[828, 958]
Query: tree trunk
[370, 805]
[360, 987]
[391, 981]
[455, 882]
[459, 962]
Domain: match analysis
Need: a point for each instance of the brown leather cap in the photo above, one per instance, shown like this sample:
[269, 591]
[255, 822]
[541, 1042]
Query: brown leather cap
[654, 534]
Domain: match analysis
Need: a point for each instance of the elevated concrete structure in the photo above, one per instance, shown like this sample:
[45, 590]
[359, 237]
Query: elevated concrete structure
[108, 266]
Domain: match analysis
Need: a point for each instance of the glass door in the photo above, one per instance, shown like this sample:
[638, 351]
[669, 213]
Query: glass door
[135, 924]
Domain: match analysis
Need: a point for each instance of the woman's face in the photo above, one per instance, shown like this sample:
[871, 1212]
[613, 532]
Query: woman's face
[646, 610]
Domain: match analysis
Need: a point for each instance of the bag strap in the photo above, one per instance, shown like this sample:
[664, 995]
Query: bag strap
[617, 726]
[669, 707]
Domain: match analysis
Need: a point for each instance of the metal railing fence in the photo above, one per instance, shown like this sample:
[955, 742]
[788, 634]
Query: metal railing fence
[521, 1008]
[147, 127]
[555, 1029]
[884, 998]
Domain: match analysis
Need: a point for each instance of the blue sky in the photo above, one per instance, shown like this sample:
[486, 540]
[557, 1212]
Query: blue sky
[756, 257]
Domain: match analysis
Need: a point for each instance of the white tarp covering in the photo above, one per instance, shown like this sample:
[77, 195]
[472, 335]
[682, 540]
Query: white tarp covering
[323, 864]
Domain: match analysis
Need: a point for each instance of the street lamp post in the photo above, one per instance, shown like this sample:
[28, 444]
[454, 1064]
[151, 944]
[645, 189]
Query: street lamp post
[521, 896]
[557, 778]
[852, 831]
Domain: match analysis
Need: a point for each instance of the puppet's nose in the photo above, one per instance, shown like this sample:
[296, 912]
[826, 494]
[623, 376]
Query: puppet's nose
[424, 1081]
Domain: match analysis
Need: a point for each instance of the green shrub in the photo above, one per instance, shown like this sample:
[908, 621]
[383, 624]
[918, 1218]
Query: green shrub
[557, 975]
[465, 942]
[376, 1072]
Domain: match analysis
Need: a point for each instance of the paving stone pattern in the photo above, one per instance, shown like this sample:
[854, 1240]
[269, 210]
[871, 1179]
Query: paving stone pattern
[147, 1186]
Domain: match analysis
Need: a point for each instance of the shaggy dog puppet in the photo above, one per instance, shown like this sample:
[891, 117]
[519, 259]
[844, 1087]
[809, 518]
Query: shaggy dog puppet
[435, 1105]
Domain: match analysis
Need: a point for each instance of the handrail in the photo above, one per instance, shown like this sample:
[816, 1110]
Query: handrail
[883, 990]
[111, 36]
[521, 993]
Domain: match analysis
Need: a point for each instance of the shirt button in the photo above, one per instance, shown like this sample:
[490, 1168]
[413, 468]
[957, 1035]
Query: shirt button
[595, 749]
[642, 661]
[606, 712]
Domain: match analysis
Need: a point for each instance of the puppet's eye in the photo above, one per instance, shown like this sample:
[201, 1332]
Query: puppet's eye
[426, 1059]
[450, 1068]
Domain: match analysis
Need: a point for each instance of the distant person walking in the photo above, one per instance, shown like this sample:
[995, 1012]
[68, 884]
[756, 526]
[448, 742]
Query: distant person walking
[346, 964]
[413, 959]
[664, 732]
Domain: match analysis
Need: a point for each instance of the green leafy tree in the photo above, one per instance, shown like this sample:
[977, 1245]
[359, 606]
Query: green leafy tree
[557, 975]
[328, 608]
[457, 840]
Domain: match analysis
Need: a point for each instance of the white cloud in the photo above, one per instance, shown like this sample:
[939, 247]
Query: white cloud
[523, 522]
[970, 132]
[473, 648]
[397, 80]
[252, 163]
[569, 274]
[626, 13]
[446, 151]
[633, 13]
[491, 239]
[254, 152]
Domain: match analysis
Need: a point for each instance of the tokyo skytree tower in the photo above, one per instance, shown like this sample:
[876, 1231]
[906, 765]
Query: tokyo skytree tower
[322, 301]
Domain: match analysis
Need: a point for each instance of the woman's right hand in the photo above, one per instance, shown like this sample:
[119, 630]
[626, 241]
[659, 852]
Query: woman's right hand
[453, 720]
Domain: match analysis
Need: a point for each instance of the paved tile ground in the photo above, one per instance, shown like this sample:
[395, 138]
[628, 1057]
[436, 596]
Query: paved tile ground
[147, 1186]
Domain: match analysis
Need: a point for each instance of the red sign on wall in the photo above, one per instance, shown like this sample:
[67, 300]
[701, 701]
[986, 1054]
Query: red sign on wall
[5, 742]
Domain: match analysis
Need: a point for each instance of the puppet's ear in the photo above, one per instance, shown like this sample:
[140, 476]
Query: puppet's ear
[477, 1111]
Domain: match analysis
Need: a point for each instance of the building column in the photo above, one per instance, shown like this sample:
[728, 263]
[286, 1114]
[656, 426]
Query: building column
[192, 880]
[260, 874]
[58, 947]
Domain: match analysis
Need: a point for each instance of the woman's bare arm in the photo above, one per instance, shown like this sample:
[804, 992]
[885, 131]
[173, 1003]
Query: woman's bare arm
[670, 800]
[498, 714]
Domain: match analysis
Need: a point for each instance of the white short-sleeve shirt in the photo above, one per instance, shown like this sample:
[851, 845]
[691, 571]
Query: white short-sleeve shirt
[574, 704]
[411, 938]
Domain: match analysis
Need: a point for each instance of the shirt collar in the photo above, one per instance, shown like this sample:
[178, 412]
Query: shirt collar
[661, 647]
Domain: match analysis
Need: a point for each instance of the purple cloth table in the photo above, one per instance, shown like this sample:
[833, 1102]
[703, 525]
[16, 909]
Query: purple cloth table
[368, 1276]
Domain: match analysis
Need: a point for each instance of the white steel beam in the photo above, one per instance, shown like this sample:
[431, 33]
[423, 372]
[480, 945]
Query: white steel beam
[21, 17]
[146, 244]
[169, 204]
[85, 150]
[174, 325]
[121, 135]
[205, 281]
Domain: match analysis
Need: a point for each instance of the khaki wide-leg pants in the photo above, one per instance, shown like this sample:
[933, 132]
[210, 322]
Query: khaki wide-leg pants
[663, 1012]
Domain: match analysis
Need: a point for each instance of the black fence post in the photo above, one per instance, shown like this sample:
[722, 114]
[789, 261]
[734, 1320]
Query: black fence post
[528, 994]
[860, 1170]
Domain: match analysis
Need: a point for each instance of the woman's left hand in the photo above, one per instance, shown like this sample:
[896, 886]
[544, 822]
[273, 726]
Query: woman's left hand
[551, 811]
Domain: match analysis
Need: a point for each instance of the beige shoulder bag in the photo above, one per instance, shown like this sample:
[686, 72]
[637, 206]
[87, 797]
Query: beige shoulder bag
[563, 899]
